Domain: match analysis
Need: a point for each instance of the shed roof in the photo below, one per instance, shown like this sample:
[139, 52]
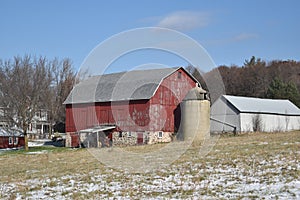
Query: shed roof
[258, 105]
[97, 129]
[131, 85]
[10, 132]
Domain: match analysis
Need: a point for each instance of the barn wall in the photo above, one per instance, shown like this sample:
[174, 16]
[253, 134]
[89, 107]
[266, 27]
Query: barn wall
[79, 115]
[166, 100]
[270, 122]
[223, 114]
[128, 116]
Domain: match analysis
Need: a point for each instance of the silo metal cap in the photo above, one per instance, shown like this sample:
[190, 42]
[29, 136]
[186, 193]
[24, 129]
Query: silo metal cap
[196, 93]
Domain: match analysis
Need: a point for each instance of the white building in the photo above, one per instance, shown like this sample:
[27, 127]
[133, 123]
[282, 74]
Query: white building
[246, 114]
[40, 125]
[38, 128]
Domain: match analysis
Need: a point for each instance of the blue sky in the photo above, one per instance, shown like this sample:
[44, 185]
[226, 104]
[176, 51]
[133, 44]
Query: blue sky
[230, 31]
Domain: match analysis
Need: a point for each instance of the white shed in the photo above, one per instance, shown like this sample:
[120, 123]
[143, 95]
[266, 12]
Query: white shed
[246, 114]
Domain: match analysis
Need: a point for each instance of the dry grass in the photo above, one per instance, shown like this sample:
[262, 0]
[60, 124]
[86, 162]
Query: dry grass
[235, 162]
[145, 148]
[21, 166]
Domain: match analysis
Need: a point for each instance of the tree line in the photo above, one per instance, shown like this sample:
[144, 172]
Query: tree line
[257, 78]
[28, 84]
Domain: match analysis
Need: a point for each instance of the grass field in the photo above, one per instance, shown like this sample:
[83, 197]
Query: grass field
[248, 166]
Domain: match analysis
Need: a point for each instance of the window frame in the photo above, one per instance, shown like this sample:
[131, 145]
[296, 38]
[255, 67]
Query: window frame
[160, 134]
[10, 140]
[16, 140]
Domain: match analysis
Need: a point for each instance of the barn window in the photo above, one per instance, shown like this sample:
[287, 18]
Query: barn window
[15, 140]
[10, 140]
[179, 75]
[129, 134]
[160, 134]
[120, 134]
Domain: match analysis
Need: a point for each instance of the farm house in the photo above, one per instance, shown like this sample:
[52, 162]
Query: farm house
[247, 114]
[11, 138]
[39, 127]
[127, 108]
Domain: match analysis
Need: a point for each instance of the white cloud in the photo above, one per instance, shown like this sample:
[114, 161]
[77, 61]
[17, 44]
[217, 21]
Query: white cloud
[185, 20]
[245, 36]
[234, 39]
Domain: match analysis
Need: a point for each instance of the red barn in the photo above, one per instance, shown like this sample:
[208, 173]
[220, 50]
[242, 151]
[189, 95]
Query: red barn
[134, 107]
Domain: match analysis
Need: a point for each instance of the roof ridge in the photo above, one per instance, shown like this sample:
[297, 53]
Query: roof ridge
[137, 70]
[261, 98]
[262, 105]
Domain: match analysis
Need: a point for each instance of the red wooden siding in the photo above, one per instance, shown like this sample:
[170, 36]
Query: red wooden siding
[170, 93]
[16, 142]
[156, 114]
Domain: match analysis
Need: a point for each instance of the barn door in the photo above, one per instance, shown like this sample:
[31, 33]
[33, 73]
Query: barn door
[140, 138]
[103, 117]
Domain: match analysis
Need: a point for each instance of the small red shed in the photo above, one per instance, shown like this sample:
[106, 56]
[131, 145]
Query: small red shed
[11, 138]
[140, 106]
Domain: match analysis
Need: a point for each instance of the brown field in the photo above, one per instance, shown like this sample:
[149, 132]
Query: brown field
[256, 165]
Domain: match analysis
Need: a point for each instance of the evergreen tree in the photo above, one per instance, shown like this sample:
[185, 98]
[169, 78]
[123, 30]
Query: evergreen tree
[278, 89]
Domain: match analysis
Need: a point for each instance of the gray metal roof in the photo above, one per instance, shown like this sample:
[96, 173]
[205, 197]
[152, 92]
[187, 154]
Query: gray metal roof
[258, 105]
[131, 85]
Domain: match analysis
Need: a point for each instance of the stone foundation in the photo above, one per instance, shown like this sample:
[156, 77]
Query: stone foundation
[68, 140]
[125, 138]
[160, 137]
[139, 138]
[121, 138]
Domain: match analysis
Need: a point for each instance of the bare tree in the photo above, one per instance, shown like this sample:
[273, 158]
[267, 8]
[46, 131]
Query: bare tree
[63, 80]
[28, 84]
[24, 87]
[257, 123]
[287, 120]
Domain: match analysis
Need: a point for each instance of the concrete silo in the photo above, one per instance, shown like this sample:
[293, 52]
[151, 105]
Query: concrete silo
[195, 116]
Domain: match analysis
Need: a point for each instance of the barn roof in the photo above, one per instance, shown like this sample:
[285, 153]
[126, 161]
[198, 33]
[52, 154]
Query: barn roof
[258, 105]
[131, 85]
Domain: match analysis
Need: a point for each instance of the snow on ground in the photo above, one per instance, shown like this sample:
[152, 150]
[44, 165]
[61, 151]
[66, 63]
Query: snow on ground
[38, 152]
[37, 143]
[265, 179]
[230, 174]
